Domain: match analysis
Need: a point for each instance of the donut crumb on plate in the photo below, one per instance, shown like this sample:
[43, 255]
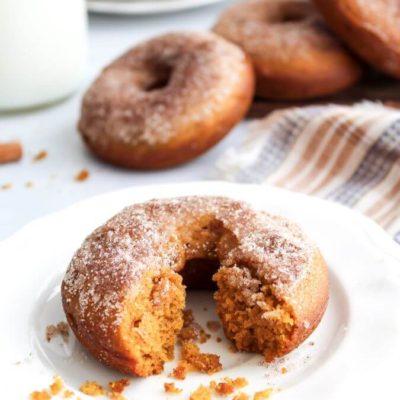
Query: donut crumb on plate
[241, 396]
[201, 393]
[263, 394]
[194, 360]
[60, 328]
[191, 330]
[91, 388]
[170, 388]
[55, 388]
[118, 386]
[213, 326]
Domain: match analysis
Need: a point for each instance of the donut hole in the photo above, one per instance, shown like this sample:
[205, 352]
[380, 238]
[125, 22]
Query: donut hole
[159, 78]
[197, 274]
[293, 13]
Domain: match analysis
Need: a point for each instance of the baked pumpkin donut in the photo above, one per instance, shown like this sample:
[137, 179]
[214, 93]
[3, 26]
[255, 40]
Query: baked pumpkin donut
[167, 100]
[123, 293]
[370, 28]
[294, 56]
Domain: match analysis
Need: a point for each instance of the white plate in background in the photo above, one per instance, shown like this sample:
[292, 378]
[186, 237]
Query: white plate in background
[355, 351]
[140, 7]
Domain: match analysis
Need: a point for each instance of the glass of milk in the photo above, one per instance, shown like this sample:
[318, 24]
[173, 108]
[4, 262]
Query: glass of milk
[42, 51]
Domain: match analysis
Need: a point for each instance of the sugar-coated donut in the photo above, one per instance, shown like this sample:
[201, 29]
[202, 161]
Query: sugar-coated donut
[294, 56]
[370, 27]
[123, 293]
[167, 100]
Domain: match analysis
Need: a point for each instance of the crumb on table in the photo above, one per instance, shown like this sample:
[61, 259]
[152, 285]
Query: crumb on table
[7, 186]
[10, 152]
[41, 155]
[82, 175]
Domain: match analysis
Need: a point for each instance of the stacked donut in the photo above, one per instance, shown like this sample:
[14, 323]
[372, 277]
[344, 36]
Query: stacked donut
[170, 99]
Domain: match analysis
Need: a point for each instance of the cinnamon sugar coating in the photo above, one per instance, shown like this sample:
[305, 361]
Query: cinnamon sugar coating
[369, 28]
[294, 55]
[166, 100]
[123, 284]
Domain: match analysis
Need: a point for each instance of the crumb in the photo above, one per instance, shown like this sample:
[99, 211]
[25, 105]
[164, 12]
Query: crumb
[205, 309]
[82, 175]
[116, 396]
[213, 326]
[311, 343]
[92, 388]
[10, 152]
[201, 362]
[7, 186]
[219, 340]
[56, 386]
[171, 388]
[264, 394]
[181, 370]
[28, 184]
[241, 396]
[233, 349]
[228, 386]
[118, 386]
[39, 395]
[191, 330]
[40, 156]
[201, 393]
[67, 394]
[224, 388]
[240, 382]
[60, 329]
[284, 370]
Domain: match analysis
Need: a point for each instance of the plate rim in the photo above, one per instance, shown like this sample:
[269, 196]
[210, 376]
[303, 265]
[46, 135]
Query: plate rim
[143, 7]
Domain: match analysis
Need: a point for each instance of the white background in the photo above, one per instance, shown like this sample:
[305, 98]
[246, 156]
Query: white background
[54, 129]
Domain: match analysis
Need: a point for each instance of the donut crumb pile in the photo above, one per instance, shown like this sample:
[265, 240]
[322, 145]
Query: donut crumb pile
[60, 329]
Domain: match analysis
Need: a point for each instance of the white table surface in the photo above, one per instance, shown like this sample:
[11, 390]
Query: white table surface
[54, 130]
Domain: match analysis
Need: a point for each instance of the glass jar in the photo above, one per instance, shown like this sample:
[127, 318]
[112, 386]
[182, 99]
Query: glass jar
[42, 51]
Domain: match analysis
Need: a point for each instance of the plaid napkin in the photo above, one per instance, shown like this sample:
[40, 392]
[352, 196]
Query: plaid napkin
[347, 154]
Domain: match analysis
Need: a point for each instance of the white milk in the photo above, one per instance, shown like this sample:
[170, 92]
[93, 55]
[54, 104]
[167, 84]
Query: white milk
[42, 50]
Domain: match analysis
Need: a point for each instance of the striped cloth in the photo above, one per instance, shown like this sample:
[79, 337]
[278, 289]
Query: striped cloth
[347, 154]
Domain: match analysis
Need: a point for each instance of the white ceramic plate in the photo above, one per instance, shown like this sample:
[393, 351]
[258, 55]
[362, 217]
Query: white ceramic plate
[356, 349]
[139, 7]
